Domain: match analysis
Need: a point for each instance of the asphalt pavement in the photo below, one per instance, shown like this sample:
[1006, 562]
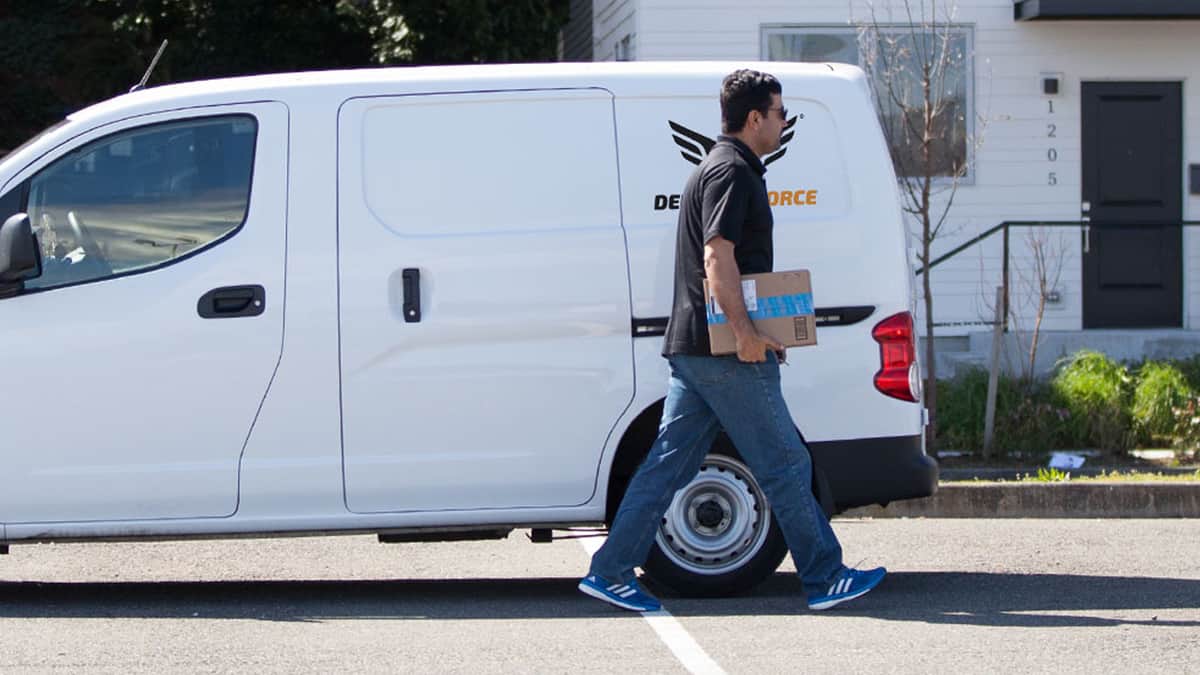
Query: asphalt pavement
[963, 596]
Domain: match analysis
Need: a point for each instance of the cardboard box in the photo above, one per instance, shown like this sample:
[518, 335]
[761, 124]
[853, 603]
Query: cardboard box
[780, 305]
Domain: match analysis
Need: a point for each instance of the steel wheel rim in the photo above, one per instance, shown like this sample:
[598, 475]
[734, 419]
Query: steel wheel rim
[716, 522]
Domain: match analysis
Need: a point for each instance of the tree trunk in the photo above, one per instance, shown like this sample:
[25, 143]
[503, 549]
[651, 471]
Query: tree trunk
[927, 236]
[930, 363]
[1037, 334]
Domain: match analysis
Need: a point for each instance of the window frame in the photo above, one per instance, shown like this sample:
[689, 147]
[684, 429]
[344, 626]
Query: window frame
[967, 29]
[69, 147]
[20, 200]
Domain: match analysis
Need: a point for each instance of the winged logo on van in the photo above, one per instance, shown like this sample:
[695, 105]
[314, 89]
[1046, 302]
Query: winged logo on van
[695, 145]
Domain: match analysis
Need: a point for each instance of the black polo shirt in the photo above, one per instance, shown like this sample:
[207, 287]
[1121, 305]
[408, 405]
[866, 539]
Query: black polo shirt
[726, 196]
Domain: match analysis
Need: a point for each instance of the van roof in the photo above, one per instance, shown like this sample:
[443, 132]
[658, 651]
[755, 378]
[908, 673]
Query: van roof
[629, 78]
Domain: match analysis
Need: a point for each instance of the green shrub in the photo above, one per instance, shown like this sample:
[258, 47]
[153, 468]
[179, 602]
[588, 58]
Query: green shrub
[960, 412]
[1095, 390]
[1028, 418]
[1190, 368]
[1034, 421]
[1091, 401]
[1185, 435]
[1161, 388]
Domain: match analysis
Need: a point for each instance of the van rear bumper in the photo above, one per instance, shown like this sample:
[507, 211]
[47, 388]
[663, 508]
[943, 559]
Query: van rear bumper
[865, 471]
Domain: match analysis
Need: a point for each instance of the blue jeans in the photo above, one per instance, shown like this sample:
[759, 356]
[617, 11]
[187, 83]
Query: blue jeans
[707, 394]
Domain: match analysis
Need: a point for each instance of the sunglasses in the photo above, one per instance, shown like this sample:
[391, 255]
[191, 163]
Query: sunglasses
[782, 112]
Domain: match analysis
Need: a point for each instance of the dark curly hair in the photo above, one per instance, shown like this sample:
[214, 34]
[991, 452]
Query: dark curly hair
[742, 91]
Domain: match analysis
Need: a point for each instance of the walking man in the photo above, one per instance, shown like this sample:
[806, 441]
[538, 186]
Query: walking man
[725, 231]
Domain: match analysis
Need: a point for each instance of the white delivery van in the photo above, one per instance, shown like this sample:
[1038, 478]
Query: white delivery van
[425, 303]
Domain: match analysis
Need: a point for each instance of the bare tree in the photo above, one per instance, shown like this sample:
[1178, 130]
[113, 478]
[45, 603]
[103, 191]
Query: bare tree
[1036, 279]
[917, 64]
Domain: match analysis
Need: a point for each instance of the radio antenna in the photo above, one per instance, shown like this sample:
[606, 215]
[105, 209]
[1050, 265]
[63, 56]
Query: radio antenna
[153, 62]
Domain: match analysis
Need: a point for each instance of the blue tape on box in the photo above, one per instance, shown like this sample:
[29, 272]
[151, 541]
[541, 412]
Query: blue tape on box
[771, 307]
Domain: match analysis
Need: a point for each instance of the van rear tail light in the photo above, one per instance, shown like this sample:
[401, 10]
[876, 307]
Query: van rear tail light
[898, 376]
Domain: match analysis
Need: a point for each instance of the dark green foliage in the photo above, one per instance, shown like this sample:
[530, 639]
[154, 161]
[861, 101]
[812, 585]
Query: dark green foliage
[1096, 390]
[219, 38]
[1185, 435]
[1091, 401]
[961, 407]
[1190, 368]
[1029, 416]
[61, 55]
[1161, 388]
[57, 56]
[1036, 423]
[472, 31]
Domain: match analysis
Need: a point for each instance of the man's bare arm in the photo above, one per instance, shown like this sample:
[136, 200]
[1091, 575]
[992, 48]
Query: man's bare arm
[725, 280]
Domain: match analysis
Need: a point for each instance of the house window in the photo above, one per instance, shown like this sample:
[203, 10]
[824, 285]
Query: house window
[896, 80]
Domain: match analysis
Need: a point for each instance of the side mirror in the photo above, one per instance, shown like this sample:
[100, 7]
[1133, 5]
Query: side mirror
[20, 257]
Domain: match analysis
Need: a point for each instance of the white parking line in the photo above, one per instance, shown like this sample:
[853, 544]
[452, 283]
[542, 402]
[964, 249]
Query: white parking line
[670, 631]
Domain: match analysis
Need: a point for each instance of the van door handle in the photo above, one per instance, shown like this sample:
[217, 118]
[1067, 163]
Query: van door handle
[231, 301]
[412, 295]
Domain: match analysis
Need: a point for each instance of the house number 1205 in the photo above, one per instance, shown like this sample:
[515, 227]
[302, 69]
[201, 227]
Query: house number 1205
[1052, 153]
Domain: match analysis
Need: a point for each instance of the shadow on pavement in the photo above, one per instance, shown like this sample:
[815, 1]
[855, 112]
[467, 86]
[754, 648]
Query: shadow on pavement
[998, 599]
[967, 598]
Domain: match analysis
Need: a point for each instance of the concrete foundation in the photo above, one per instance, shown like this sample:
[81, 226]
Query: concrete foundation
[975, 350]
[1047, 500]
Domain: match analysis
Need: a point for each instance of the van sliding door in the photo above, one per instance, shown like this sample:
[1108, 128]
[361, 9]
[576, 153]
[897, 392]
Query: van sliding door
[484, 298]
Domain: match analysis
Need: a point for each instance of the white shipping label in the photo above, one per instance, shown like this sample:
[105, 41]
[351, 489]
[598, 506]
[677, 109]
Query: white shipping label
[749, 294]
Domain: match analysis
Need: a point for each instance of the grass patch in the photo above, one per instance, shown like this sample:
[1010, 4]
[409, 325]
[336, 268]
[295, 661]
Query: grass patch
[1114, 476]
[1049, 476]
[1090, 401]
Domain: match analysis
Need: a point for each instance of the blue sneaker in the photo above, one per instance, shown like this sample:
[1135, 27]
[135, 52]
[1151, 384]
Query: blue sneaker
[626, 596]
[849, 584]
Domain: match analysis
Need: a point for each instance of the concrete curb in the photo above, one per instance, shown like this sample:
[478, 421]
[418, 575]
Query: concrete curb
[1046, 500]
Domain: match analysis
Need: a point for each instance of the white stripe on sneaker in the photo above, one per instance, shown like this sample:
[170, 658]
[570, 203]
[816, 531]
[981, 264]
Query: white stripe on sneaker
[845, 585]
[627, 593]
[606, 597]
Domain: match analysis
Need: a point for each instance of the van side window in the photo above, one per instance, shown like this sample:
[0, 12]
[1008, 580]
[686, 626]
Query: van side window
[141, 198]
[10, 203]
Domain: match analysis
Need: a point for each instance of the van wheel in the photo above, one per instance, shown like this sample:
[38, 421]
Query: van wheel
[718, 537]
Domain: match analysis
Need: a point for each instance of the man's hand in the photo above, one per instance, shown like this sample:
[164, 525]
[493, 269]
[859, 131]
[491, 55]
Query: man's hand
[721, 270]
[752, 347]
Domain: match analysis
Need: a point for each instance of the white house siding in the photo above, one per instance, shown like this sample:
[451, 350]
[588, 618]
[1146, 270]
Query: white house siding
[615, 20]
[1011, 174]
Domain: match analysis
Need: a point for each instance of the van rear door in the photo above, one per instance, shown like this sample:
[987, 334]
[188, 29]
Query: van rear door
[486, 348]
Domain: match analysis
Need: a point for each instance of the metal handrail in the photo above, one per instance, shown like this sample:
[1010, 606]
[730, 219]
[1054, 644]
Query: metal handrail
[1007, 225]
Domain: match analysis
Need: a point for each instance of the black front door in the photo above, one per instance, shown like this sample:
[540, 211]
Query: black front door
[1133, 194]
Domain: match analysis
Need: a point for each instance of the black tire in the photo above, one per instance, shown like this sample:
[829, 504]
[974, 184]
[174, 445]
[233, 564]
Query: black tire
[718, 537]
